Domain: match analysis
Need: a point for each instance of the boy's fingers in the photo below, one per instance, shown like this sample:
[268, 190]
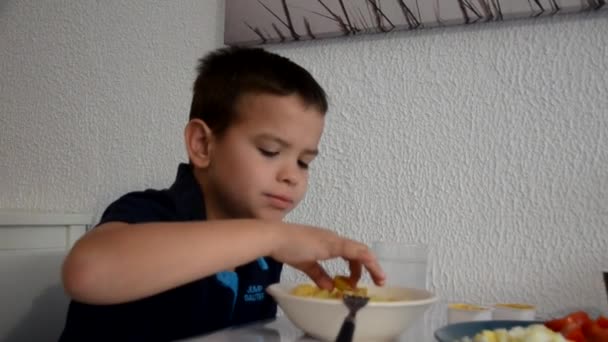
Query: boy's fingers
[357, 252]
[351, 250]
[376, 272]
[369, 261]
[355, 272]
[315, 272]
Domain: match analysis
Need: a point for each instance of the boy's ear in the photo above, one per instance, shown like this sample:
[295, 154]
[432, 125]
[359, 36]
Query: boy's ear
[198, 138]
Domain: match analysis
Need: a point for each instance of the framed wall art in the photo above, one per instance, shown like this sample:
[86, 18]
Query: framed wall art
[251, 22]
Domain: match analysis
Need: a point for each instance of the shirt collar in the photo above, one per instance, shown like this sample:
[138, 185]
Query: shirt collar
[188, 195]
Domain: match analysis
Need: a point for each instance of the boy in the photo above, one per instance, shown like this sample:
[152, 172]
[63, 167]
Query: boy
[197, 257]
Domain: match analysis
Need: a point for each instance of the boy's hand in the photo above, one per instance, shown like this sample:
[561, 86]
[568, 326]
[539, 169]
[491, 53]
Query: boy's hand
[303, 246]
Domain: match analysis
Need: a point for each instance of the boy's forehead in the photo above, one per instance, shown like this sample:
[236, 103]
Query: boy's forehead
[279, 114]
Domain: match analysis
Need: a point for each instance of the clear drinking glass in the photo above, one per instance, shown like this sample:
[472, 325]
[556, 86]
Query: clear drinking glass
[405, 265]
[606, 282]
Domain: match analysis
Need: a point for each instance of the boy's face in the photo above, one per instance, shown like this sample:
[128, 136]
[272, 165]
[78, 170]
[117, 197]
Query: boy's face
[259, 167]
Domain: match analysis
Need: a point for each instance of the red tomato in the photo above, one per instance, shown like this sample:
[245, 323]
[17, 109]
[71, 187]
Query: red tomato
[556, 324]
[580, 317]
[602, 322]
[594, 332]
[575, 319]
[575, 335]
[579, 327]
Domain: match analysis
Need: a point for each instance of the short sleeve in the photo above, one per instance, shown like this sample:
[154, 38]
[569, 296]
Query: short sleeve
[141, 207]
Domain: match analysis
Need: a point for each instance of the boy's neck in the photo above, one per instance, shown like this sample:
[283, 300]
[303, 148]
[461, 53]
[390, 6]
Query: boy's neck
[211, 212]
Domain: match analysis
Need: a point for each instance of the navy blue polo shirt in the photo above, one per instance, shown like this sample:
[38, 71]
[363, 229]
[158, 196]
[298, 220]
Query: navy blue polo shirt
[202, 306]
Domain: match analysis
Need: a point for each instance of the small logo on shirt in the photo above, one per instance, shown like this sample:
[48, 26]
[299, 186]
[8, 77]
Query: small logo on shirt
[255, 293]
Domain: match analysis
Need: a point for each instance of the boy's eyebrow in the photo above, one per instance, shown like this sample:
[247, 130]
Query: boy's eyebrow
[284, 143]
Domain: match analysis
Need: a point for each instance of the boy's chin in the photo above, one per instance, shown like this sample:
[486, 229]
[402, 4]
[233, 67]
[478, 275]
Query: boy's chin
[270, 215]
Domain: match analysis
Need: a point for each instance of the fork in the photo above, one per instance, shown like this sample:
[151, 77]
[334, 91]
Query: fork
[353, 303]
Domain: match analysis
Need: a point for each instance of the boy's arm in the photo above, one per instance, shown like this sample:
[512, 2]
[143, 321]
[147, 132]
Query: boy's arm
[119, 262]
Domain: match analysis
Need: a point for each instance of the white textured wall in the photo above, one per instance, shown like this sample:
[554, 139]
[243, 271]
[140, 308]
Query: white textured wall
[95, 95]
[489, 143]
[486, 142]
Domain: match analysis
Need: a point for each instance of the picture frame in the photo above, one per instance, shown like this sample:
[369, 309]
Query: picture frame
[254, 22]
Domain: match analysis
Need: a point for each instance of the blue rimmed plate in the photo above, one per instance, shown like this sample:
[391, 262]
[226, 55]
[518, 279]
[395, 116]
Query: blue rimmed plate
[456, 331]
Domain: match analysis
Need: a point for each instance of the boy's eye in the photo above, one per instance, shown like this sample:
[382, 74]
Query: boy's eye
[303, 165]
[267, 153]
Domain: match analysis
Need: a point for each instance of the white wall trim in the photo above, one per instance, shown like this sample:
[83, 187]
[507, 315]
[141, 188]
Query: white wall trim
[19, 217]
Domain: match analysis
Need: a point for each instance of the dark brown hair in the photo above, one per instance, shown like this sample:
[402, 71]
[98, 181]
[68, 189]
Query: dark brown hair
[228, 73]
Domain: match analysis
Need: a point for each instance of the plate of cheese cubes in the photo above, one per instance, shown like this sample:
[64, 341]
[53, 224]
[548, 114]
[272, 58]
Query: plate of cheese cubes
[577, 327]
[498, 331]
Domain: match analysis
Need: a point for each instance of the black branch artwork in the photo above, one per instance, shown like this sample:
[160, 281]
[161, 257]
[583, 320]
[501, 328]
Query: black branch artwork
[411, 19]
[538, 7]
[344, 27]
[380, 16]
[323, 18]
[287, 22]
[595, 4]
[480, 10]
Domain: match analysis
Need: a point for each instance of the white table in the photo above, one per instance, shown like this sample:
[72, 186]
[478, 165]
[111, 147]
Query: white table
[282, 330]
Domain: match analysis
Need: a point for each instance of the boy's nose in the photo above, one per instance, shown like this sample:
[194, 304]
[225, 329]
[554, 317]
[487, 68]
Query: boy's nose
[288, 174]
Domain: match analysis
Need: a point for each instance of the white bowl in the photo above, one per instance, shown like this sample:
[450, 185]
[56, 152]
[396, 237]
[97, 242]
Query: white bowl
[377, 321]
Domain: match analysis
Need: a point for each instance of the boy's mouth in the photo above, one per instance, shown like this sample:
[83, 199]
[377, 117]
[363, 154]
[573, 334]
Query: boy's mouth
[279, 202]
